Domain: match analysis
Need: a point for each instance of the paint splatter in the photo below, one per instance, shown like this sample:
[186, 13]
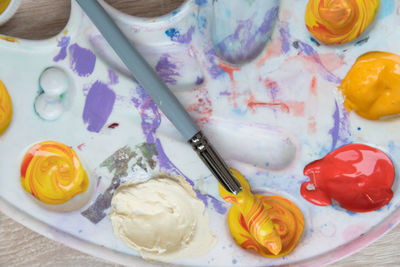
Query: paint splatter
[118, 164]
[151, 120]
[112, 77]
[167, 70]
[98, 106]
[202, 106]
[176, 36]
[82, 60]
[234, 48]
[63, 44]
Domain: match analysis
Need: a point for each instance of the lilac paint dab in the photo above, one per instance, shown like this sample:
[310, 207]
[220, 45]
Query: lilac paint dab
[82, 60]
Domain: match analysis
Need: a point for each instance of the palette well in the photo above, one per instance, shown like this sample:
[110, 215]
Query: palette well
[257, 83]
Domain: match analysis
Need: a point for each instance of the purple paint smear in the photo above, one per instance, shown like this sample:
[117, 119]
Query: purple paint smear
[63, 43]
[340, 131]
[151, 120]
[167, 70]
[285, 37]
[309, 51]
[176, 36]
[213, 67]
[113, 77]
[82, 60]
[235, 48]
[99, 104]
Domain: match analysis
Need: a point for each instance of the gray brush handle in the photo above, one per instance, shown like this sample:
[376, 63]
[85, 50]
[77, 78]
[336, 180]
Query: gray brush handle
[140, 69]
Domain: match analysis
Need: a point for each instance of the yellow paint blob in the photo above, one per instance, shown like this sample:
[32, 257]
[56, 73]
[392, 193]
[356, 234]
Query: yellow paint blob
[372, 86]
[339, 21]
[271, 225]
[5, 108]
[8, 39]
[52, 173]
[3, 5]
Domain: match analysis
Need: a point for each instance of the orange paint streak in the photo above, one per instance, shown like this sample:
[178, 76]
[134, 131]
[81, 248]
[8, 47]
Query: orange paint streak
[296, 108]
[230, 69]
[331, 61]
[273, 49]
[313, 88]
[312, 125]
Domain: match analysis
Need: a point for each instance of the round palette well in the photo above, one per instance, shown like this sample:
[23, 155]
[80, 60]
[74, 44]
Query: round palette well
[270, 105]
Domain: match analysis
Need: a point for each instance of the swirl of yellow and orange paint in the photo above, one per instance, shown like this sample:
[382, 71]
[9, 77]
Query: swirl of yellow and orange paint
[339, 21]
[271, 225]
[52, 173]
[5, 108]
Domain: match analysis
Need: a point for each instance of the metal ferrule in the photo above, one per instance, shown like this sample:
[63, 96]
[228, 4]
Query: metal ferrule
[215, 163]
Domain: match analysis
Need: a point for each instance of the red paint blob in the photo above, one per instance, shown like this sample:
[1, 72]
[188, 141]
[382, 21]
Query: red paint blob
[358, 176]
[113, 125]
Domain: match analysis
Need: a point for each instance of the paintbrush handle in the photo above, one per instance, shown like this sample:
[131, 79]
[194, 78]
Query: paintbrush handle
[140, 69]
[159, 92]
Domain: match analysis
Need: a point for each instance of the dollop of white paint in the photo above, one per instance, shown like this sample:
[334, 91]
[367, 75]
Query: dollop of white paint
[162, 219]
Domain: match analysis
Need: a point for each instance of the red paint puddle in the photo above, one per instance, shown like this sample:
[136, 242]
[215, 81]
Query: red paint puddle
[113, 125]
[358, 176]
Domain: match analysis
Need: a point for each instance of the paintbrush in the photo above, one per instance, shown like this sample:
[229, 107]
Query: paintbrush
[176, 113]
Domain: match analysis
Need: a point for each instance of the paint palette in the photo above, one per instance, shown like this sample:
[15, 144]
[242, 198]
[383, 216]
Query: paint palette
[262, 90]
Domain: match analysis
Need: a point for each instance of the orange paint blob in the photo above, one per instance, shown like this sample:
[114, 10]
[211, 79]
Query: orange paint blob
[271, 225]
[372, 86]
[52, 173]
[5, 108]
[339, 21]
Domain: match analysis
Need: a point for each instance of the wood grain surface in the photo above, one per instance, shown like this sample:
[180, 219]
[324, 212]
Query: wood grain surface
[19, 246]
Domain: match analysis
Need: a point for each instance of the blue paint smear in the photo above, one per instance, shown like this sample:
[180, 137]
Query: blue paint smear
[386, 7]
[201, 2]
[391, 147]
[361, 42]
[175, 35]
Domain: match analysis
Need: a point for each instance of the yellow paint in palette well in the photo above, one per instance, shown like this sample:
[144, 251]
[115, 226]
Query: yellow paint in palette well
[3, 5]
[339, 21]
[271, 225]
[52, 173]
[5, 108]
[372, 86]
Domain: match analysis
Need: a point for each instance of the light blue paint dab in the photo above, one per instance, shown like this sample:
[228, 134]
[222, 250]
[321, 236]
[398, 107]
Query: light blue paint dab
[234, 261]
[386, 7]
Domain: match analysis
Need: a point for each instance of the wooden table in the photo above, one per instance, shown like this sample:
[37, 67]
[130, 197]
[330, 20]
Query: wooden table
[19, 246]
